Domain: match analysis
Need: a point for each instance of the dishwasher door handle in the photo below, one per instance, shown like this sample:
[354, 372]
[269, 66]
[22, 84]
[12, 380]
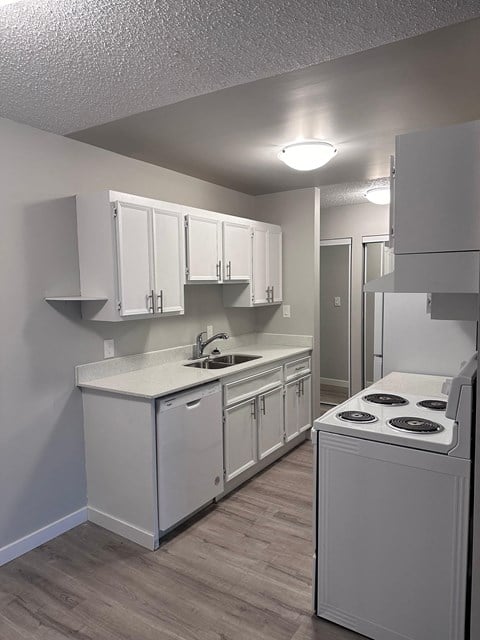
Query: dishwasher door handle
[193, 403]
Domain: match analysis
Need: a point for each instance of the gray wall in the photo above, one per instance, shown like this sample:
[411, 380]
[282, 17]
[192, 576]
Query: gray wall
[355, 221]
[334, 282]
[298, 212]
[42, 475]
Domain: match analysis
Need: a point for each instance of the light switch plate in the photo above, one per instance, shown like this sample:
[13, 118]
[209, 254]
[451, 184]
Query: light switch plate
[286, 311]
[209, 330]
[108, 348]
[338, 301]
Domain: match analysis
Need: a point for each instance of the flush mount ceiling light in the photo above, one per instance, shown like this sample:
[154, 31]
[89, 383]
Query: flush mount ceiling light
[307, 155]
[378, 195]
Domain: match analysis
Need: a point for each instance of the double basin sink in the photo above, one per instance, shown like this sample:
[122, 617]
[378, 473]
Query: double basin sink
[220, 362]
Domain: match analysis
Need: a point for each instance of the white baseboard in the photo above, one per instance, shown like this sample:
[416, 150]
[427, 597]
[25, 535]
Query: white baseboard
[124, 529]
[334, 383]
[32, 540]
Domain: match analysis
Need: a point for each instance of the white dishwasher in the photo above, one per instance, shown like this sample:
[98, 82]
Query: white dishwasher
[189, 452]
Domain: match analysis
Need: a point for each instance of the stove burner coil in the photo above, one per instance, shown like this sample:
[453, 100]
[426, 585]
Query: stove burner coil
[435, 405]
[356, 416]
[415, 425]
[386, 399]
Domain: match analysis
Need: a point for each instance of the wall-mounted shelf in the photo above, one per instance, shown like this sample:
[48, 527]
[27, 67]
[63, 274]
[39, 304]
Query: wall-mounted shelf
[75, 299]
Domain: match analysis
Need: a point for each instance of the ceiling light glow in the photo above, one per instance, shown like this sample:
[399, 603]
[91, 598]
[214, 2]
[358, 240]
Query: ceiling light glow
[307, 155]
[378, 195]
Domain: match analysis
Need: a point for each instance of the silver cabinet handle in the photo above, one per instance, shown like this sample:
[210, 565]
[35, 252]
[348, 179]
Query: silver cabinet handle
[254, 409]
[299, 393]
[268, 294]
[150, 301]
[219, 270]
[160, 301]
[263, 404]
[272, 294]
[303, 387]
[229, 270]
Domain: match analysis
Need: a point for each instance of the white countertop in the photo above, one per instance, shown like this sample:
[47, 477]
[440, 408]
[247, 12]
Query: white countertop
[415, 383]
[163, 379]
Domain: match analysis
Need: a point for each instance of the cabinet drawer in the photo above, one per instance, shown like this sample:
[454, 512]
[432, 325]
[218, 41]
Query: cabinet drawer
[253, 385]
[298, 368]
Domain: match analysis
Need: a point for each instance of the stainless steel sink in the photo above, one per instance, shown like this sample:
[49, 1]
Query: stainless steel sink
[220, 362]
[234, 358]
[207, 364]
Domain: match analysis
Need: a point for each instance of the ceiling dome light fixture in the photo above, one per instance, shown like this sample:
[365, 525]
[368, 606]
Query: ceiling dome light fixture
[378, 195]
[307, 155]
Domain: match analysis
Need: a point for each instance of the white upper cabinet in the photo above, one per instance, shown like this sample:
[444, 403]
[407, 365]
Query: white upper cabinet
[204, 263]
[237, 252]
[274, 265]
[169, 261]
[266, 280]
[131, 252]
[259, 289]
[135, 282]
[437, 190]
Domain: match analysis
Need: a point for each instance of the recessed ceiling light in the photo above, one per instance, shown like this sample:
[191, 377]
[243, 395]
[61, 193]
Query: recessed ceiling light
[307, 155]
[378, 195]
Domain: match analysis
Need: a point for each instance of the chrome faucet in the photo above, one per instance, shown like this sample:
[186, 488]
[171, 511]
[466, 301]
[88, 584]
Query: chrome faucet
[200, 344]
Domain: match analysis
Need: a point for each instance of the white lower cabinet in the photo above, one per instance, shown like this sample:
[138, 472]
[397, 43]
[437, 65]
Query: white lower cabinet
[270, 422]
[298, 407]
[240, 438]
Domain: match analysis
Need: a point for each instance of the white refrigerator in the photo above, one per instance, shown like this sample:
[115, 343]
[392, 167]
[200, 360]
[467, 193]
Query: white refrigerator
[407, 339]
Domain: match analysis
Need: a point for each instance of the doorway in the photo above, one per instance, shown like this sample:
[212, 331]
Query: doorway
[377, 262]
[335, 320]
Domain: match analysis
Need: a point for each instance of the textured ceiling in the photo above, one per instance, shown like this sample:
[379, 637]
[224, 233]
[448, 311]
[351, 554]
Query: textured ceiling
[71, 64]
[359, 102]
[337, 195]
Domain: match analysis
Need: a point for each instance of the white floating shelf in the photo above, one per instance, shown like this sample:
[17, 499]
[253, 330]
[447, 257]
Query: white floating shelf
[75, 299]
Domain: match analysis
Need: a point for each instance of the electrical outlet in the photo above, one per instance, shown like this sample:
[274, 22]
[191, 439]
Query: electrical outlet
[286, 311]
[108, 348]
[337, 302]
[209, 330]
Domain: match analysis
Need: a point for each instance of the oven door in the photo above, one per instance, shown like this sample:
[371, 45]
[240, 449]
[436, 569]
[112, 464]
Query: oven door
[392, 533]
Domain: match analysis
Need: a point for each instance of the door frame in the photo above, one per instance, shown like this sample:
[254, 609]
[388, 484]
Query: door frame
[347, 241]
[365, 241]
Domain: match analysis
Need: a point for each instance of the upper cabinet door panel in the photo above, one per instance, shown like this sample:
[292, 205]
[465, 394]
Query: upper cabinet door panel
[134, 259]
[169, 263]
[203, 260]
[274, 265]
[237, 260]
[437, 190]
[259, 266]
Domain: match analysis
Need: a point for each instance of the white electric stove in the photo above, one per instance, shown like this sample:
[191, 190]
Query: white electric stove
[392, 508]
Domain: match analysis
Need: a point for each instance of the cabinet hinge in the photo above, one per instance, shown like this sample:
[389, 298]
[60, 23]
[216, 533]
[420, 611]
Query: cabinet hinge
[252, 234]
[187, 272]
[224, 474]
[115, 210]
[119, 305]
[186, 223]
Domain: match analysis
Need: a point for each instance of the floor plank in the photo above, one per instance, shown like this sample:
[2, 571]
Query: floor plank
[242, 572]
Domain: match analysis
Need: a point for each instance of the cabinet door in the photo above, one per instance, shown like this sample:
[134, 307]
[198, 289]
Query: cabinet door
[305, 404]
[240, 438]
[203, 255]
[274, 265]
[259, 266]
[134, 253]
[168, 255]
[270, 422]
[292, 401]
[237, 261]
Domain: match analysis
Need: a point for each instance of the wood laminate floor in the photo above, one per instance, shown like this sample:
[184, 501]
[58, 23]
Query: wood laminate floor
[331, 394]
[242, 572]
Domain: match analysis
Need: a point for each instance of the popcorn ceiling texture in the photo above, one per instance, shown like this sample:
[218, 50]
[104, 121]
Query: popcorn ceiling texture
[70, 64]
[337, 195]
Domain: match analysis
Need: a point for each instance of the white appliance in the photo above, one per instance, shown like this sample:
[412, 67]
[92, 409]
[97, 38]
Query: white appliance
[189, 452]
[407, 339]
[392, 478]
